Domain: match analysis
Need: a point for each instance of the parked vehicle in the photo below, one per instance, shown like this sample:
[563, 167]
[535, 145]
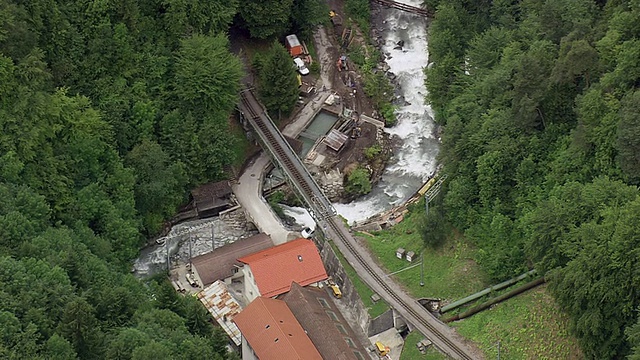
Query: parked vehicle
[300, 65]
[294, 46]
[307, 232]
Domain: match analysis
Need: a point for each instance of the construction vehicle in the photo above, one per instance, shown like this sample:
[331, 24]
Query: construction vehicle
[381, 349]
[336, 291]
[336, 19]
[342, 63]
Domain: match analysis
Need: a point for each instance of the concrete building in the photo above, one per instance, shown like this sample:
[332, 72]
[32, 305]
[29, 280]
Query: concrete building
[270, 272]
[271, 332]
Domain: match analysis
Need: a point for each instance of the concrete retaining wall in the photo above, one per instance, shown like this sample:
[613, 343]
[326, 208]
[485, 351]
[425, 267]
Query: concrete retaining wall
[349, 294]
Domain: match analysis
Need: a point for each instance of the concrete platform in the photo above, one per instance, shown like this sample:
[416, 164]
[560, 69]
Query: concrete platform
[393, 340]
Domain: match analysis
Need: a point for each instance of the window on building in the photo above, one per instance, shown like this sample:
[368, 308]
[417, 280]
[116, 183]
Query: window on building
[358, 355]
[342, 329]
[350, 342]
[324, 303]
[332, 315]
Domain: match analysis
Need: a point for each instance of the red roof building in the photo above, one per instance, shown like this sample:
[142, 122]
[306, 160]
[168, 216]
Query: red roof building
[274, 269]
[271, 332]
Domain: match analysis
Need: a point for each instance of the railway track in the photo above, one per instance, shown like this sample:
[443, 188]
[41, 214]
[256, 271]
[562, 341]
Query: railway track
[323, 212]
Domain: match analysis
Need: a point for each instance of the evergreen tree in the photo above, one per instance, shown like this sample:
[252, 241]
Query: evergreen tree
[278, 84]
[266, 18]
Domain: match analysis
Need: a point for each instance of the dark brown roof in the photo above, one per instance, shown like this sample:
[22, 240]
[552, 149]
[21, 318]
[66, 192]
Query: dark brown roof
[218, 264]
[211, 195]
[320, 327]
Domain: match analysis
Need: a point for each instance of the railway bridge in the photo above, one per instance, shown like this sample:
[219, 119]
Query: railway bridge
[404, 7]
[443, 337]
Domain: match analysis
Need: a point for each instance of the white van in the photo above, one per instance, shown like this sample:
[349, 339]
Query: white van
[302, 68]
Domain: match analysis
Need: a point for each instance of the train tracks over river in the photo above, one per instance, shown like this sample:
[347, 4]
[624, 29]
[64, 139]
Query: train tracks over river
[443, 337]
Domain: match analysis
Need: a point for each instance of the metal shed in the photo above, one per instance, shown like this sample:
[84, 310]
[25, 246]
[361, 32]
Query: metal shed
[335, 139]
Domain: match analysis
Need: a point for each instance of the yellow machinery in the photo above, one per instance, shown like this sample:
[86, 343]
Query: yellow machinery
[381, 349]
[336, 291]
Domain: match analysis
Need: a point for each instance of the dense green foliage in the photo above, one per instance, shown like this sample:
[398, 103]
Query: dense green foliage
[377, 85]
[360, 12]
[109, 111]
[268, 19]
[358, 182]
[278, 83]
[306, 15]
[540, 104]
[433, 229]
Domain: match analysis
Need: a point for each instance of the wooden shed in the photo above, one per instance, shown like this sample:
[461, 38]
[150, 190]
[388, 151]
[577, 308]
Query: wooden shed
[212, 198]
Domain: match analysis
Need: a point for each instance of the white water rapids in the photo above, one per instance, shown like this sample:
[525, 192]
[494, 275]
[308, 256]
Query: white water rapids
[415, 159]
[413, 162]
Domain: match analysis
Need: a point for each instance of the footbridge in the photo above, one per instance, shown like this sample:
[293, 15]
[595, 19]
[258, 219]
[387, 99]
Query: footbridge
[443, 337]
[404, 7]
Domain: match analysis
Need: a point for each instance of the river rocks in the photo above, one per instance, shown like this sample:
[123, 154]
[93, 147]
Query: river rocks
[334, 192]
[237, 220]
[332, 185]
[383, 66]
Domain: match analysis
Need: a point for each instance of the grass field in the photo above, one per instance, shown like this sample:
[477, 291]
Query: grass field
[529, 326]
[242, 148]
[363, 290]
[410, 350]
[449, 273]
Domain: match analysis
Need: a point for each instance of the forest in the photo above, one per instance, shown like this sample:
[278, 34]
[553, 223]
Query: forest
[540, 107]
[110, 112]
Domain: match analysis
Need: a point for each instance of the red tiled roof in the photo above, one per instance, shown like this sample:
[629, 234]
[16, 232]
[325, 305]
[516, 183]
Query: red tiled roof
[273, 332]
[276, 268]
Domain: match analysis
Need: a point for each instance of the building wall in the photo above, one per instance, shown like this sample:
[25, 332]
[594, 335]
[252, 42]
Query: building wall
[250, 287]
[247, 351]
[336, 271]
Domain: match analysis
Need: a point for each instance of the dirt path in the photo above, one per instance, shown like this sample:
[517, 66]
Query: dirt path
[326, 53]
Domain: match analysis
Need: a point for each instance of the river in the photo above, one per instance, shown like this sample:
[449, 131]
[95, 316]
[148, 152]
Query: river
[414, 161]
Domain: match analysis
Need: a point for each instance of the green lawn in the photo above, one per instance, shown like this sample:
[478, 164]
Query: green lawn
[363, 290]
[528, 326]
[410, 350]
[449, 273]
